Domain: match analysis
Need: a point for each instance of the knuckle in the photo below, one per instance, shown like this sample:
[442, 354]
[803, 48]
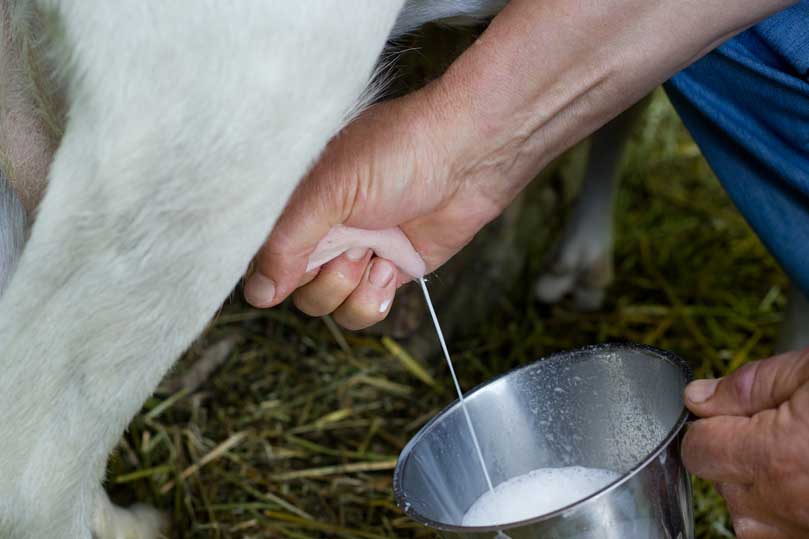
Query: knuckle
[339, 277]
[743, 382]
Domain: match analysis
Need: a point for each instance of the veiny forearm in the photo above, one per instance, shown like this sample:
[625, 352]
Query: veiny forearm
[548, 73]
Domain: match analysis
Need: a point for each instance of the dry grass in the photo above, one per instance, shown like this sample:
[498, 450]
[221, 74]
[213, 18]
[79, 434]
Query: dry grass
[296, 435]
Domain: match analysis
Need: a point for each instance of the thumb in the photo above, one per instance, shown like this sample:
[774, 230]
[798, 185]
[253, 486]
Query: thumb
[298, 245]
[757, 386]
[282, 261]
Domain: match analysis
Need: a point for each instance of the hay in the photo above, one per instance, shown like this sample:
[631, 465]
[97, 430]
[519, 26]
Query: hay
[295, 435]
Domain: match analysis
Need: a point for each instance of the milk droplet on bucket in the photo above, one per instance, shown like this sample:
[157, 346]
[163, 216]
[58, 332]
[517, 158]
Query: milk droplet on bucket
[536, 493]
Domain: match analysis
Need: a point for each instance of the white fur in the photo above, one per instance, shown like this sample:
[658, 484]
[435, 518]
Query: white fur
[189, 124]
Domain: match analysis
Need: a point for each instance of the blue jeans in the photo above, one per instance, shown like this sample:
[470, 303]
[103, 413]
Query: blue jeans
[747, 106]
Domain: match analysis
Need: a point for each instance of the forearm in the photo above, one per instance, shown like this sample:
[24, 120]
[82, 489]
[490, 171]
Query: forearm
[548, 73]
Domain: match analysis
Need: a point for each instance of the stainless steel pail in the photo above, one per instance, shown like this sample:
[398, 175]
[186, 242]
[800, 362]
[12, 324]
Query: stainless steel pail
[615, 406]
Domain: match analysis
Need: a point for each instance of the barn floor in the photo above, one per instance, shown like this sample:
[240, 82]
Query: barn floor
[296, 435]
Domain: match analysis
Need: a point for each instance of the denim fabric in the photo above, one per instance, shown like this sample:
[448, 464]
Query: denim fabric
[747, 106]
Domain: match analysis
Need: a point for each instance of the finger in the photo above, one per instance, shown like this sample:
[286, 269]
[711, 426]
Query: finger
[282, 260]
[752, 515]
[757, 386]
[333, 284]
[726, 449]
[372, 299]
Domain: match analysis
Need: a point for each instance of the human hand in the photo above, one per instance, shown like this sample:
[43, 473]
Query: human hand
[442, 162]
[400, 164]
[753, 442]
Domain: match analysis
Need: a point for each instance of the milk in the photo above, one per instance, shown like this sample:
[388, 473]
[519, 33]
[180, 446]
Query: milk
[536, 493]
[471, 427]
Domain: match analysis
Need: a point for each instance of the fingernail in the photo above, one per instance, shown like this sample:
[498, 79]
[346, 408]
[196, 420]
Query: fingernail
[259, 290]
[381, 273]
[384, 306]
[700, 391]
[356, 253]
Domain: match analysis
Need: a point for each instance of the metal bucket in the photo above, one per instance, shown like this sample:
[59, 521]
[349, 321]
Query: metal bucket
[616, 406]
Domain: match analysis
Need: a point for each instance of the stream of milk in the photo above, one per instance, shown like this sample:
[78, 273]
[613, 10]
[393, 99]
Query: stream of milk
[533, 494]
[457, 385]
[536, 493]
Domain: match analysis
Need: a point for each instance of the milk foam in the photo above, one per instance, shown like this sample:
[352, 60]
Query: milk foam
[536, 493]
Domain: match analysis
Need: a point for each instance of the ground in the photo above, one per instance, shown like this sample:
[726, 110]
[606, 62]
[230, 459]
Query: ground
[296, 435]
